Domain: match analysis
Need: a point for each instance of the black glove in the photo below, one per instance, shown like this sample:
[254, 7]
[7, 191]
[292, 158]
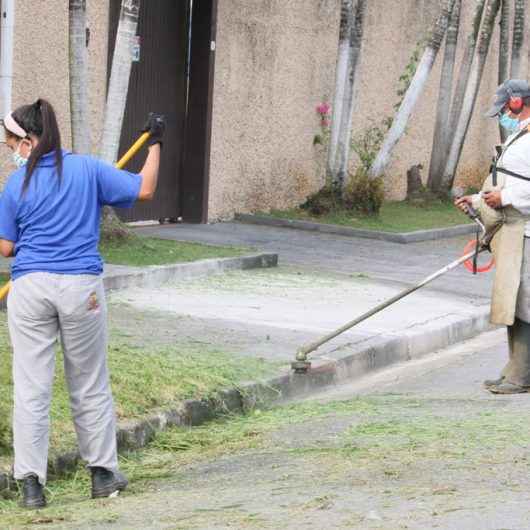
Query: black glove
[155, 126]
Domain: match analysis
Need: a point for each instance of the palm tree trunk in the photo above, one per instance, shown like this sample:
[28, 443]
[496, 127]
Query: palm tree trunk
[78, 71]
[119, 80]
[470, 96]
[441, 132]
[465, 69]
[112, 227]
[504, 50]
[413, 92]
[340, 98]
[517, 37]
[343, 144]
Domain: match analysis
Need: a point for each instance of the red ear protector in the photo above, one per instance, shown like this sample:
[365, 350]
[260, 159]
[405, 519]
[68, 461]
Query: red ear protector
[515, 104]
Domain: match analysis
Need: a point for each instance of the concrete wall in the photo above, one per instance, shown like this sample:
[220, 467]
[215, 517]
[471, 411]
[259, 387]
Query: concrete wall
[40, 63]
[275, 61]
[391, 32]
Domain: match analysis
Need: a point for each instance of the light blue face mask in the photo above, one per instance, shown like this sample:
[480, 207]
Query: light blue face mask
[510, 125]
[18, 159]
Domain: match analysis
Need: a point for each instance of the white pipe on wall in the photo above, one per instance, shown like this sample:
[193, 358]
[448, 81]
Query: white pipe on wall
[7, 25]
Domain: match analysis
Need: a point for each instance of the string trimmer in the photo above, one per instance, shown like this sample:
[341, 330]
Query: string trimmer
[301, 365]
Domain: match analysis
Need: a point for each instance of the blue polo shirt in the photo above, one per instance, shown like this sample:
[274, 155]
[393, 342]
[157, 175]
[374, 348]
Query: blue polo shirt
[55, 224]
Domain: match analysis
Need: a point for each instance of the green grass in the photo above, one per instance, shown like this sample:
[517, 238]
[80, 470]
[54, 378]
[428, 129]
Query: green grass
[141, 251]
[393, 217]
[141, 381]
[387, 435]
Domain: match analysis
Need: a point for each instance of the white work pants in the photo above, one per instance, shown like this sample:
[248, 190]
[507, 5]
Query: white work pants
[41, 308]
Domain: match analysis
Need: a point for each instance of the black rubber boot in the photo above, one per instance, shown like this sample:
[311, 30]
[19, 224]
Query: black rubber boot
[106, 483]
[32, 493]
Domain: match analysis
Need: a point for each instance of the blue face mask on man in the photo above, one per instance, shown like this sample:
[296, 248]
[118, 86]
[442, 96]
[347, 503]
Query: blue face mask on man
[510, 125]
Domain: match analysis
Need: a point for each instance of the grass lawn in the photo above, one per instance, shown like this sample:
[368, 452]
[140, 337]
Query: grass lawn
[142, 380]
[141, 251]
[393, 217]
[412, 447]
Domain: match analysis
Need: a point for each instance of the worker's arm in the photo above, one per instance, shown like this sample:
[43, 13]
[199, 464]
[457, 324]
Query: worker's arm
[6, 248]
[149, 173]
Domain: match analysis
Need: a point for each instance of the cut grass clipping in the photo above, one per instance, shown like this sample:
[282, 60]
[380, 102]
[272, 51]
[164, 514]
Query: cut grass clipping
[393, 217]
[140, 251]
[382, 435]
[141, 381]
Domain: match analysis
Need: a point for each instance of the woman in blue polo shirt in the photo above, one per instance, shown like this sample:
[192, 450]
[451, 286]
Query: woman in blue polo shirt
[50, 212]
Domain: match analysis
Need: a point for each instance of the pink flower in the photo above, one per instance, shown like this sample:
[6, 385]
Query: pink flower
[323, 109]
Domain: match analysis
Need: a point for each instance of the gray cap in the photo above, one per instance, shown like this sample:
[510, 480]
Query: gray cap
[510, 88]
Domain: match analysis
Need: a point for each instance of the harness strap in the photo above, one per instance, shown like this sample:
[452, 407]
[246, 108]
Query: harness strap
[511, 173]
[494, 169]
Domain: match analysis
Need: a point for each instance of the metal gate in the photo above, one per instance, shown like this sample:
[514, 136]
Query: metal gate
[158, 83]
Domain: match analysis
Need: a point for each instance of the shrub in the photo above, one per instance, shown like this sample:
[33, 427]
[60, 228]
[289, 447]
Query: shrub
[324, 201]
[364, 194]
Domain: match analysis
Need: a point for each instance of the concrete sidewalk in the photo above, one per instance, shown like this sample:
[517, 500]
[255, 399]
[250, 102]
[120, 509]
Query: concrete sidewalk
[310, 251]
[323, 282]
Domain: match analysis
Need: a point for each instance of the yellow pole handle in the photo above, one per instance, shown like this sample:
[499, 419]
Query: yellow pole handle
[133, 150]
[119, 164]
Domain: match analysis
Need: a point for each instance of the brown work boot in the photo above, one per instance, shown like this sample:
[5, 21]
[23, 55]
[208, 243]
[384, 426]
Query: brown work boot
[508, 388]
[493, 382]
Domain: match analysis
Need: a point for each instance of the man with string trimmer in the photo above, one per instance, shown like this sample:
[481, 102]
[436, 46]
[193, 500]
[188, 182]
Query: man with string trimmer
[504, 203]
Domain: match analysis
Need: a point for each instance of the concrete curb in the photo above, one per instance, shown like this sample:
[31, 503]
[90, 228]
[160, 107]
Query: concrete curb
[358, 360]
[403, 237]
[121, 277]
[118, 277]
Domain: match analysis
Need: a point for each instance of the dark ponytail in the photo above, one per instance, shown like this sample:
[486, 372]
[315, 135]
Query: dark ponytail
[39, 119]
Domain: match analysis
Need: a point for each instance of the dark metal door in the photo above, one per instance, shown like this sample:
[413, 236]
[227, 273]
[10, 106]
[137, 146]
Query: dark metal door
[158, 83]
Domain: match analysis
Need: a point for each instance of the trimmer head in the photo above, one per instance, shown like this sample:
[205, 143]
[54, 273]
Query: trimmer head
[301, 367]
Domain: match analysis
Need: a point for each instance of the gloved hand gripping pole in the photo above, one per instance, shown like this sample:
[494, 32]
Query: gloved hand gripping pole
[301, 365]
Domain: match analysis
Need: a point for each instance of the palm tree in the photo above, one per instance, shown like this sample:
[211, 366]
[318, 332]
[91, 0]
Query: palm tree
[342, 124]
[112, 226]
[414, 90]
[119, 80]
[78, 69]
[441, 132]
[465, 69]
[517, 38]
[470, 96]
[504, 50]
[342, 72]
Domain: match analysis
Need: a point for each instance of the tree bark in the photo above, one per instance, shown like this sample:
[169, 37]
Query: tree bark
[342, 76]
[465, 69]
[414, 90]
[112, 227]
[441, 132]
[119, 80]
[504, 50]
[78, 70]
[470, 96]
[517, 38]
[340, 168]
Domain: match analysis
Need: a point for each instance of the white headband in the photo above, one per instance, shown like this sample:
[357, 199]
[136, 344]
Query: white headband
[11, 125]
